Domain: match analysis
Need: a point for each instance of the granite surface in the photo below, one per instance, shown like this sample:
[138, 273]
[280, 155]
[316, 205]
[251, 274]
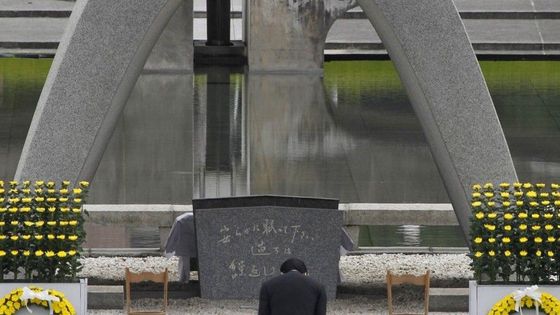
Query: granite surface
[102, 53]
[174, 49]
[239, 248]
[432, 53]
[299, 29]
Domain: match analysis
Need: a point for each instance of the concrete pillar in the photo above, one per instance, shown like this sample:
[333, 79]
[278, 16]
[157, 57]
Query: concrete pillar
[218, 22]
[289, 35]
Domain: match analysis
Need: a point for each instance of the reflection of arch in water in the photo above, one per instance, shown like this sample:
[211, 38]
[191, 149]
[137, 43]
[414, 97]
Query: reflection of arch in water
[289, 126]
[367, 98]
[391, 162]
[220, 159]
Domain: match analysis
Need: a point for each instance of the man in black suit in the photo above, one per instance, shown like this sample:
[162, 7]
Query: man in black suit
[292, 292]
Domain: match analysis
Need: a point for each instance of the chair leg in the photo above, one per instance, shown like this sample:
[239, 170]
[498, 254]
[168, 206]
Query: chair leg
[127, 304]
[427, 293]
[389, 293]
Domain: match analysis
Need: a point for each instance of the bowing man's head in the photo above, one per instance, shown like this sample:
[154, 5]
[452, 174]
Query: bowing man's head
[293, 264]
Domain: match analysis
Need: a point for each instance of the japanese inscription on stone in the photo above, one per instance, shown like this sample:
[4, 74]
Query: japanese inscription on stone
[263, 239]
[239, 248]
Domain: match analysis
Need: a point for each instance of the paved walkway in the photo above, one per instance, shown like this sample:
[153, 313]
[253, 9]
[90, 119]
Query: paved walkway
[495, 27]
[508, 5]
[36, 5]
[200, 5]
[488, 36]
[234, 309]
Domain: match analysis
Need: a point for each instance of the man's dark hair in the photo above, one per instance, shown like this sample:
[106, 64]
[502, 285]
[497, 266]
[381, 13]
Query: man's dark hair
[293, 264]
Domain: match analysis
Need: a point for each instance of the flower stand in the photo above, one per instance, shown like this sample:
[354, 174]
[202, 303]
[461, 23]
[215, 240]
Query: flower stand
[482, 298]
[73, 294]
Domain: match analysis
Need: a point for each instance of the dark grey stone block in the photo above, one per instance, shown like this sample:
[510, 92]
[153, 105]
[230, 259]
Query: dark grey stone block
[268, 200]
[240, 247]
[105, 297]
[449, 300]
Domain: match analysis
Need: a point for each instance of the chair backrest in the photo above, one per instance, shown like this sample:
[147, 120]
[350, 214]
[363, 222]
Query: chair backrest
[421, 280]
[159, 277]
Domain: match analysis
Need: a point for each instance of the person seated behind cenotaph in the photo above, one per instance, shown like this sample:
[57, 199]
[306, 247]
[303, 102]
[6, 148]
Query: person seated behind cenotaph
[293, 292]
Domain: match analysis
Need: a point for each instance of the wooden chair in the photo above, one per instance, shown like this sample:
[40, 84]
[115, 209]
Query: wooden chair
[423, 280]
[131, 277]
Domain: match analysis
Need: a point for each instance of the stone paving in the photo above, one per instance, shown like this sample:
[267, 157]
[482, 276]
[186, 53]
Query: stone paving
[200, 306]
[489, 35]
[367, 270]
[507, 5]
[362, 289]
[22, 5]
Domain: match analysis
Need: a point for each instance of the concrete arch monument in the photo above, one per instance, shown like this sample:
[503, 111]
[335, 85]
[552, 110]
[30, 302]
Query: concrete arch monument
[108, 42]
[101, 55]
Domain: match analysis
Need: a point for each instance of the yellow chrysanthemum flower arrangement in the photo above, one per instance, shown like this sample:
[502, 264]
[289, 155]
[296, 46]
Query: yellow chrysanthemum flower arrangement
[515, 232]
[549, 304]
[41, 229]
[11, 302]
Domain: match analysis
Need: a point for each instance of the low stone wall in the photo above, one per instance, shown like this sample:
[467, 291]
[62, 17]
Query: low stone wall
[354, 215]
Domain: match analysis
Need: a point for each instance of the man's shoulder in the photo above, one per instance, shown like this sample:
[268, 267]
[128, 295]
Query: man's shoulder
[296, 277]
[289, 276]
[315, 283]
[273, 280]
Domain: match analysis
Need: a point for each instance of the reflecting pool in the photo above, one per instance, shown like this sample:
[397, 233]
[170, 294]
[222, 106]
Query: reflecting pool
[350, 134]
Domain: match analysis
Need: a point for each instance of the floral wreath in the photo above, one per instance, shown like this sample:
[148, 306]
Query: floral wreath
[527, 298]
[52, 299]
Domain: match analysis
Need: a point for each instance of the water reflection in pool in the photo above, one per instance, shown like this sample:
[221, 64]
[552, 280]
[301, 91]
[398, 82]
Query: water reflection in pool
[411, 235]
[295, 135]
[351, 134]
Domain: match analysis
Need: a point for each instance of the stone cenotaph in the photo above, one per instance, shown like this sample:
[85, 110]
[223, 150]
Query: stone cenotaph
[242, 242]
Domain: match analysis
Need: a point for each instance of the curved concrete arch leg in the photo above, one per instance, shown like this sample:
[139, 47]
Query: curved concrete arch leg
[428, 44]
[98, 61]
